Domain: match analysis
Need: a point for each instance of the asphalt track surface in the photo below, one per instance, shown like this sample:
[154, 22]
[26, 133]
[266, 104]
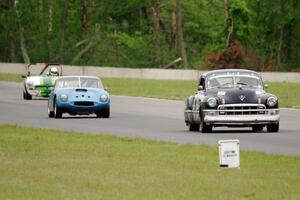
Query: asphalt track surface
[147, 118]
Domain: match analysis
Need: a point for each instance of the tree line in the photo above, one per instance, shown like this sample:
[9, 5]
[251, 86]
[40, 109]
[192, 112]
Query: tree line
[263, 35]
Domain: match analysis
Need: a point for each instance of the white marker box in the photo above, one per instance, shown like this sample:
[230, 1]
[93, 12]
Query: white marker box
[229, 153]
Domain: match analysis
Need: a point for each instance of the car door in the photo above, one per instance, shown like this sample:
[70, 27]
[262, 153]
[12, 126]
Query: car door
[198, 99]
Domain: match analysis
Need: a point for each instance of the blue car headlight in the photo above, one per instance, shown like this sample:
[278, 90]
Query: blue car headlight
[103, 98]
[64, 97]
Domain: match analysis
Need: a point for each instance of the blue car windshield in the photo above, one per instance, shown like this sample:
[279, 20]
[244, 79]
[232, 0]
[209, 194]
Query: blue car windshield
[78, 82]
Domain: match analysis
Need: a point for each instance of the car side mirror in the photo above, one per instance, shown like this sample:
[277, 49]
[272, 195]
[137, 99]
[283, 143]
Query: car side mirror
[23, 76]
[266, 86]
[200, 88]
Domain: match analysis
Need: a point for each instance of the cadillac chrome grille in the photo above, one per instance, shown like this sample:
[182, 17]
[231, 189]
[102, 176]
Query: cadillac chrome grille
[242, 109]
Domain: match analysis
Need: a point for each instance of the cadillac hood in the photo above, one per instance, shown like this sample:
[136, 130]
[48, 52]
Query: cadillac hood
[239, 95]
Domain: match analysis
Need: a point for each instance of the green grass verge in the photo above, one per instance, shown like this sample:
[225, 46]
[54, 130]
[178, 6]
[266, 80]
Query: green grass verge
[45, 164]
[162, 89]
[11, 77]
[287, 93]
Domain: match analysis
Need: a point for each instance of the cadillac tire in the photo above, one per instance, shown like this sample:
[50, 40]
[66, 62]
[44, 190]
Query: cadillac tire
[257, 127]
[205, 128]
[273, 127]
[193, 127]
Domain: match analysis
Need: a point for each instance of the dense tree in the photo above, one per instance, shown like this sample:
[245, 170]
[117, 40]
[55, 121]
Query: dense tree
[262, 35]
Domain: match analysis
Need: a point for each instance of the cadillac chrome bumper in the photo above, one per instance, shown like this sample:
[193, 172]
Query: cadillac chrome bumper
[269, 116]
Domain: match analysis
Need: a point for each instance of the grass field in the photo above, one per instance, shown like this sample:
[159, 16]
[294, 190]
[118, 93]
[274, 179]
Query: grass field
[287, 93]
[45, 164]
[10, 77]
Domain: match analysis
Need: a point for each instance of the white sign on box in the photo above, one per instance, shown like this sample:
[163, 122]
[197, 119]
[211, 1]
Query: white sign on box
[229, 153]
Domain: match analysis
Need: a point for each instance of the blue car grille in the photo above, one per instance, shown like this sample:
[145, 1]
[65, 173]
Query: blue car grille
[84, 103]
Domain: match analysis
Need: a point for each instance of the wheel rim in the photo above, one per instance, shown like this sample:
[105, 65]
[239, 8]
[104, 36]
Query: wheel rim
[55, 110]
[189, 125]
[48, 109]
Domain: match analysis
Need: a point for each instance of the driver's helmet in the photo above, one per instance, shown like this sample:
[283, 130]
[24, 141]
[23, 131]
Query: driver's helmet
[53, 71]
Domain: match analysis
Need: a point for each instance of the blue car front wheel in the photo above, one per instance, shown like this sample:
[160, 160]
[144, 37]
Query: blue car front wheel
[50, 113]
[57, 111]
[104, 113]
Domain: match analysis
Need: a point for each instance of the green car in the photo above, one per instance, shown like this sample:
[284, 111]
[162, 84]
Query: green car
[40, 85]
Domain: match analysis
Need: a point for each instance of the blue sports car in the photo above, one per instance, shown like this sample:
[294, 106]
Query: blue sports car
[78, 95]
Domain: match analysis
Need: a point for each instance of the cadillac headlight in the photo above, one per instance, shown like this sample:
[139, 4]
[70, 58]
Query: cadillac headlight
[64, 97]
[103, 98]
[272, 101]
[211, 102]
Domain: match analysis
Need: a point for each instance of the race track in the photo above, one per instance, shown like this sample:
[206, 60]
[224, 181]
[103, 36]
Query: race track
[147, 118]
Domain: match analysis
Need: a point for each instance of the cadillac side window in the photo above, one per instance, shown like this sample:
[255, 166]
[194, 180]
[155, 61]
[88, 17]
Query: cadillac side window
[248, 81]
[202, 84]
[219, 82]
[226, 81]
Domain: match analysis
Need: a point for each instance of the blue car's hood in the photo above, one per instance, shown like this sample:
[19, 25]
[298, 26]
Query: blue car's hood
[82, 94]
[80, 90]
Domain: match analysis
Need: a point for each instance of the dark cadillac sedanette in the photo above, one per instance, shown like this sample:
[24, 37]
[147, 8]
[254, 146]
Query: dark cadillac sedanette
[232, 98]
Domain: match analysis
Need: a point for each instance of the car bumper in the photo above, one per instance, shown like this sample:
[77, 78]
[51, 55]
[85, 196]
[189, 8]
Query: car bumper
[212, 117]
[75, 109]
[39, 93]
